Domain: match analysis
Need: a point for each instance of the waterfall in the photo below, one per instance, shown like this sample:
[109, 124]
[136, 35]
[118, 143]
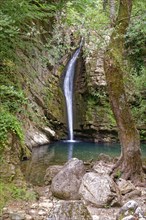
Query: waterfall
[68, 90]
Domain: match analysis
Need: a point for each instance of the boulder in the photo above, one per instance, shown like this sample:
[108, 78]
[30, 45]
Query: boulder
[65, 185]
[125, 186]
[130, 211]
[69, 210]
[102, 168]
[99, 190]
[51, 172]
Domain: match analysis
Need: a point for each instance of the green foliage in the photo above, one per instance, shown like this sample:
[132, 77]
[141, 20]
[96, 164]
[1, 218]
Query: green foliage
[9, 123]
[77, 19]
[143, 135]
[87, 19]
[98, 106]
[21, 193]
[135, 41]
[95, 98]
[12, 99]
[139, 83]
[12, 102]
[118, 174]
[85, 14]
[110, 116]
[135, 52]
[9, 191]
[136, 95]
[18, 24]
[139, 112]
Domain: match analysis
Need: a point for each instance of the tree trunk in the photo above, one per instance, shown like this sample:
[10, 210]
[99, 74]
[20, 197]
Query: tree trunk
[130, 163]
[112, 11]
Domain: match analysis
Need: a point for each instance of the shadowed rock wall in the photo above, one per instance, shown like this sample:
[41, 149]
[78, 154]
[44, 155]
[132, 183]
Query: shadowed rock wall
[92, 114]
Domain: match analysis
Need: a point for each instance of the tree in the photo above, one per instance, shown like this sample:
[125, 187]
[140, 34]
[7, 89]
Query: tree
[112, 11]
[129, 163]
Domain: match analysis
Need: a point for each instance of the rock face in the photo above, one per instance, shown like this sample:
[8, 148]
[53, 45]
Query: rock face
[44, 95]
[35, 137]
[99, 190]
[70, 210]
[95, 120]
[66, 183]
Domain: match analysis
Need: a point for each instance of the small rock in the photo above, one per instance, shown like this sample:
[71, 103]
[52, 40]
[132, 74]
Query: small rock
[130, 205]
[28, 217]
[139, 212]
[95, 217]
[102, 168]
[130, 217]
[5, 209]
[41, 212]
[32, 212]
[46, 205]
[17, 216]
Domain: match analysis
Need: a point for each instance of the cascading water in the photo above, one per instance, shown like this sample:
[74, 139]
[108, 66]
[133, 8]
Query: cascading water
[68, 90]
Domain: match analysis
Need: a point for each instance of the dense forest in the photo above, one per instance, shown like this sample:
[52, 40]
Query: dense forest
[37, 38]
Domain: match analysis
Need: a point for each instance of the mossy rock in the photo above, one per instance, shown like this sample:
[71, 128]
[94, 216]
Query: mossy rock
[10, 159]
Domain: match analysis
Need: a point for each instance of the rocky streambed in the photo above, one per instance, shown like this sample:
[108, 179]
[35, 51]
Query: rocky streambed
[79, 191]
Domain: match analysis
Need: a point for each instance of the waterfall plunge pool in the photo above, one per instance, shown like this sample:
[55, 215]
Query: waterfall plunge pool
[58, 153]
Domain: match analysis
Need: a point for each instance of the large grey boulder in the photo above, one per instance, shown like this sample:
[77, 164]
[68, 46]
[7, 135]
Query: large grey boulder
[65, 185]
[99, 190]
[69, 210]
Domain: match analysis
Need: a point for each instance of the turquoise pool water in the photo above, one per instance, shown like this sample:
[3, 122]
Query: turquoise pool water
[59, 152]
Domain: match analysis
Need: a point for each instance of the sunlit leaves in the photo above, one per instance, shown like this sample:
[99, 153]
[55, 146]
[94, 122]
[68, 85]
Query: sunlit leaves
[82, 18]
[135, 40]
[17, 20]
[12, 99]
[9, 123]
[86, 15]
[138, 7]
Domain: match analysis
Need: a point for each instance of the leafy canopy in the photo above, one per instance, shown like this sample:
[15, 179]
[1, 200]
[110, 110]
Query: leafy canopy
[82, 18]
[17, 23]
[135, 37]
